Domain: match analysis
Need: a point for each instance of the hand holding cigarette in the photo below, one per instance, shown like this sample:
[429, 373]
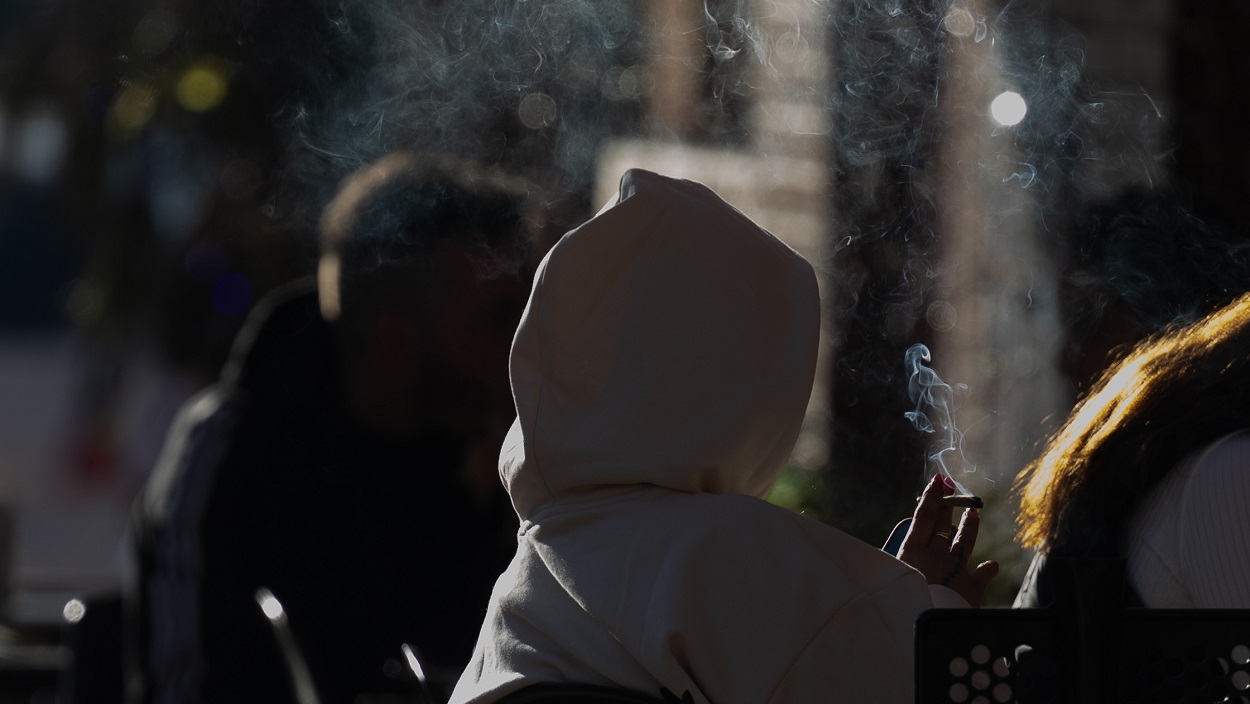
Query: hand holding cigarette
[940, 551]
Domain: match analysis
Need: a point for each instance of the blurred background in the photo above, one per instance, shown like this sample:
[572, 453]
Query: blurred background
[163, 162]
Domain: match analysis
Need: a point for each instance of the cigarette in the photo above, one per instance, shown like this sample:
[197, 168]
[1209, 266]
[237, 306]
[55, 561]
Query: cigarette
[963, 501]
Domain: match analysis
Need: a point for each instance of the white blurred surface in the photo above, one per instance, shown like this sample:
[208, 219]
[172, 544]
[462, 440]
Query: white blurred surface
[69, 523]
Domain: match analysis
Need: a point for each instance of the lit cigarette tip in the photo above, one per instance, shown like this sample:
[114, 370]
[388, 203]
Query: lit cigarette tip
[963, 501]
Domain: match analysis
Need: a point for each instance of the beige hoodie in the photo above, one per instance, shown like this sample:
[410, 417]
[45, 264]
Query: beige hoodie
[661, 372]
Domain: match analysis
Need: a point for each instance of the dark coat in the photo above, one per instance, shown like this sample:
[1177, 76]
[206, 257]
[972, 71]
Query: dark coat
[266, 483]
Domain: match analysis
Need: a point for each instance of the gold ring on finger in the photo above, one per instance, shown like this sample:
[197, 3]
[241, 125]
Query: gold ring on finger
[943, 535]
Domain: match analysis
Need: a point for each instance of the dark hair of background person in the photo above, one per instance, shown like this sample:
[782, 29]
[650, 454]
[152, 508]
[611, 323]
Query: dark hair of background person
[1135, 264]
[378, 232]
[425, 258]
[1179, 391]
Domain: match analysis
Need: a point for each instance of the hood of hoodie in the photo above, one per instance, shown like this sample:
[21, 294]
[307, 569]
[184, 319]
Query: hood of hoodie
[668, 341]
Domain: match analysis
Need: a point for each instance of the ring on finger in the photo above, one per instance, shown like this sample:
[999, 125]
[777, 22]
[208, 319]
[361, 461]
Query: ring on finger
[943, 535]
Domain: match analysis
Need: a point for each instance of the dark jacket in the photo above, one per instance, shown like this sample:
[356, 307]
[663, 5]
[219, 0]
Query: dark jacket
[266, 483]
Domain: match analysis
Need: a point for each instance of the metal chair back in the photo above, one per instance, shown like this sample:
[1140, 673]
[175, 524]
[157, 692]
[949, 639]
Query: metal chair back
[1086, 648]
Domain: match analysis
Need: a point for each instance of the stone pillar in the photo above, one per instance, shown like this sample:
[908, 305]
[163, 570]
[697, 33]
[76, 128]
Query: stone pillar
[676, 29]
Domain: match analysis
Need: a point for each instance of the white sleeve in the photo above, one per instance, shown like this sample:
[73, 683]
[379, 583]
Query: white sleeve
[864, 653]
[1214, 533]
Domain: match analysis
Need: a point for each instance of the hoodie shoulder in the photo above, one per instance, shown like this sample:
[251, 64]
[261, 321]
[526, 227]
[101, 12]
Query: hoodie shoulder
[740, 526]
[741, 580]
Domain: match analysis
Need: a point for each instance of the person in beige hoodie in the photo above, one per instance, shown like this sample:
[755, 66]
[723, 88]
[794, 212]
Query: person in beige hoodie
[661, 372]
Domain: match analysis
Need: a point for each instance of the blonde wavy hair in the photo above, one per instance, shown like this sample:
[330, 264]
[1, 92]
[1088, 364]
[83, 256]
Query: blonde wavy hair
[1174, 393]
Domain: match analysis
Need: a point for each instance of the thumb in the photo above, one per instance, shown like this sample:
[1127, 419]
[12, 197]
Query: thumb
[984, 574]
[977, 581]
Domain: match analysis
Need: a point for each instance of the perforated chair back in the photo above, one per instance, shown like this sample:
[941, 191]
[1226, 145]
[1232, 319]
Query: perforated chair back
[575, 693]
[1033, 656]
[999, 655]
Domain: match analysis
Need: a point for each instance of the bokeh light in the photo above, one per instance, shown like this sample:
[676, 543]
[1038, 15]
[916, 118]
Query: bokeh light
[626, 83]
[134, 106]
[959, 22]
[537, 110]
[203, 86]
[74, 610]
[270, 605]
[40, 145]
[1008, 108]
[941, 316]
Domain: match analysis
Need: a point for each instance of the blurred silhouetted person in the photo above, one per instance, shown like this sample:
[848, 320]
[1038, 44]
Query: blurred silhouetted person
[1139, 265]
[332, 464]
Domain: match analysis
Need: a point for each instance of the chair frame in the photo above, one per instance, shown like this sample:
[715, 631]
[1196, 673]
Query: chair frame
[577, 693]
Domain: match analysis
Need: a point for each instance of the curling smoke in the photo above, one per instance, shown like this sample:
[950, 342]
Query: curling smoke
[933, 396]
[533, 87]
[524, 85]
